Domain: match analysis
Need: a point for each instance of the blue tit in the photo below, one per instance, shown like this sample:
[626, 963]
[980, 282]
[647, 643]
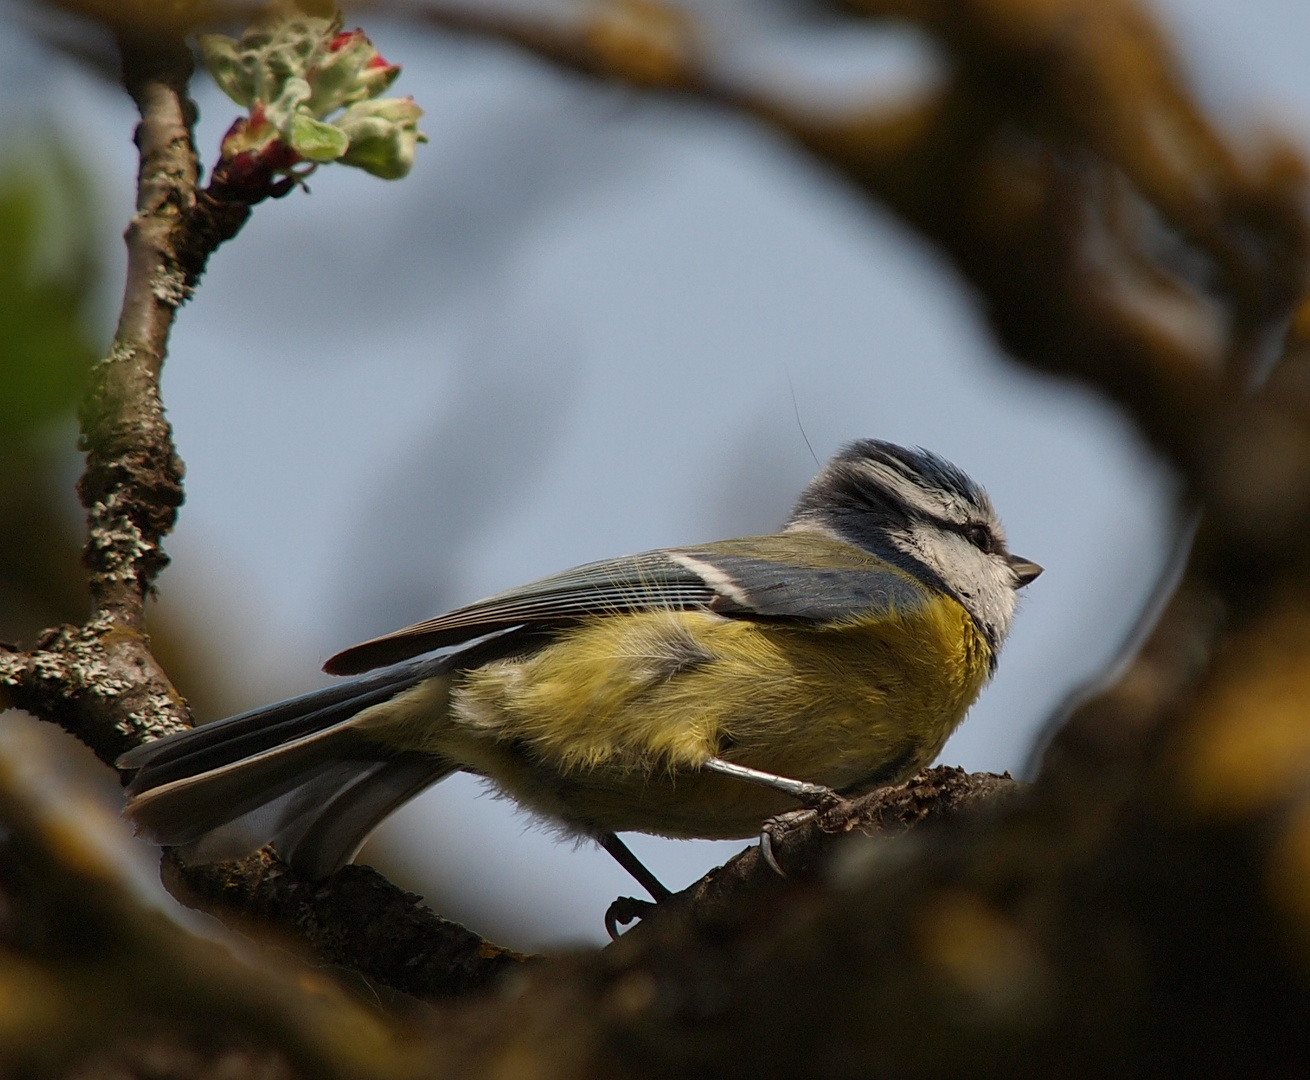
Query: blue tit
[688, 692]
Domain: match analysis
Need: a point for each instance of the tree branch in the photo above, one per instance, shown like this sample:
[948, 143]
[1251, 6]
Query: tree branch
[729, 896]
[100, 681]
[355, 919]
[100, 984]
[132, 485]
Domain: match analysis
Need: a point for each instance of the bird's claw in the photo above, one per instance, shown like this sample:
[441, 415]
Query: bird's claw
[778, 826]
[819, 802]
[624, 910]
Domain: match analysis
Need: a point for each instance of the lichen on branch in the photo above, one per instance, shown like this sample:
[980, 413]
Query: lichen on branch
[100, 681]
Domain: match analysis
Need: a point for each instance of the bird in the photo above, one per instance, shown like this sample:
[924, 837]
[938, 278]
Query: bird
[695, 691]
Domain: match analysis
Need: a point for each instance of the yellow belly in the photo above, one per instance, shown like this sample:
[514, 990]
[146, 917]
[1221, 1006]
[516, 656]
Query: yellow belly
[605, 727]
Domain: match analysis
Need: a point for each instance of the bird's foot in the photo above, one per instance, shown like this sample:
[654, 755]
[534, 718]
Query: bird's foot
[775, 828]
[624, 910]
[820, 804]
[821, 800]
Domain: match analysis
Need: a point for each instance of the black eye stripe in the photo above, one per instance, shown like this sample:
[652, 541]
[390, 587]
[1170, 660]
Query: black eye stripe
[978, 534]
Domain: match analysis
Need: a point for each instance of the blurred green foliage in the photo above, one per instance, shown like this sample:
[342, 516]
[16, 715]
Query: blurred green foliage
[48, 268]
[49, 271]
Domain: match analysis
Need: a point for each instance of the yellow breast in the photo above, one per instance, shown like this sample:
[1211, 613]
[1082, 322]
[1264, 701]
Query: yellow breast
[606, 726]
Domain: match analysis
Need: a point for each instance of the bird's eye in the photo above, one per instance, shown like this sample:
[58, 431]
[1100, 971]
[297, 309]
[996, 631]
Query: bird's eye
[980, 537]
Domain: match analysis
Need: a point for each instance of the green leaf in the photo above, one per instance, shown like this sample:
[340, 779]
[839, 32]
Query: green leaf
[223, 61]
[316, 141]
[383, 135]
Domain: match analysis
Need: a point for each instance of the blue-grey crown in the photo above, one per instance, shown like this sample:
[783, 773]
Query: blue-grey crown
[932, 470]
[844, 488]
[871, 492]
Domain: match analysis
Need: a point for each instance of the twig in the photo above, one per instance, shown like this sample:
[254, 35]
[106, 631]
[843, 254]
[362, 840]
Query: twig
[100, 680]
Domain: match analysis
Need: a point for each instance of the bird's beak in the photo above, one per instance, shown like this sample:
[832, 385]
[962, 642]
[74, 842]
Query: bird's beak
[1024, 570]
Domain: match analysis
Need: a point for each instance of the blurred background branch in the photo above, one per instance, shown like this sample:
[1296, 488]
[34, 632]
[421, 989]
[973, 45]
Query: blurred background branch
[98, 982]
[1063, 166]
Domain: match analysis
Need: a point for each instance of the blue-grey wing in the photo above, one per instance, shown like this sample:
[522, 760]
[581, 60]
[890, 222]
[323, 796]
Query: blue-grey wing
[771, 590]
[796, 577]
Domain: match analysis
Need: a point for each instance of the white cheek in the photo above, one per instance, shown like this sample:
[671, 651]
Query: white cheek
[983, 582]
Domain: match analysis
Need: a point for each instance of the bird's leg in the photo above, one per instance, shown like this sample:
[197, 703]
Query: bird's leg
[627, 908]
[816, 798]
[625, 858]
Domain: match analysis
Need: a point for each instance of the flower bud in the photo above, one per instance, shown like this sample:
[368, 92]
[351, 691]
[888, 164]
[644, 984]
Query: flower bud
[295, 73]
[349, 70]
[222, 59]
[383, 134]
[316, 141]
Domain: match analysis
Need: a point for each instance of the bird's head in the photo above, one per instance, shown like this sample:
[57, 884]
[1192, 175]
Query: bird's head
[920, 512]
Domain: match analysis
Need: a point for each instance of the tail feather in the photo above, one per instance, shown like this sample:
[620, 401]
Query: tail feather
[182, 811]
[330, 831]
[227, 788]
[222, 742]
[297, 773]
[251, 830]
[321, 825]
